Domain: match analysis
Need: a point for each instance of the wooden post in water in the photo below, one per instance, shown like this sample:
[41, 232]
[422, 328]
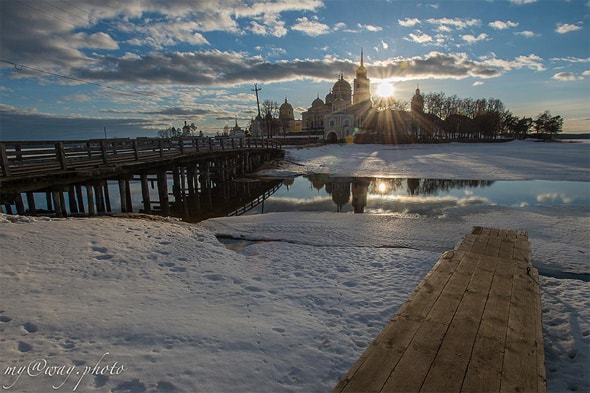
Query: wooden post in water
[128, 196]
[72, 199]
[62, 202]
[49, 201]
[90, 197]
[56, 203]
[31, 202]
[80, 198]
[107, 197]
[163, 193]
[20, 206]
[123, 194]
[98, 192]
[145, 193]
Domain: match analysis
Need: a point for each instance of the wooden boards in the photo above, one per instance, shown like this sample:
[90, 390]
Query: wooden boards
[472, 325]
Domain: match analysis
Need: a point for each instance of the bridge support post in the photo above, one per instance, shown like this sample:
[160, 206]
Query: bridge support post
[99, 194]
[90, 197]
[80, 198]
[145, 193]
[31, 202]
[163, 193]
[57, 204]
[72, 199]
[123, 188]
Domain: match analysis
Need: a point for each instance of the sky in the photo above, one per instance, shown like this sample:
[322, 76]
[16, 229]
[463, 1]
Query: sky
[80, 69]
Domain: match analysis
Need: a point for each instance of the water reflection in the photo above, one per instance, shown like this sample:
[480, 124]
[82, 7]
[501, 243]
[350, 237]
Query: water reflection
[323, 192]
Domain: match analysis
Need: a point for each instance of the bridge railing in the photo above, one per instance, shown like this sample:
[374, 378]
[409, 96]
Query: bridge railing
[34, 157]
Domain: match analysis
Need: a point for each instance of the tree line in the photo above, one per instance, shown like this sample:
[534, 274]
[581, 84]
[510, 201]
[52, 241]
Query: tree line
[479, 118]
[488, 118]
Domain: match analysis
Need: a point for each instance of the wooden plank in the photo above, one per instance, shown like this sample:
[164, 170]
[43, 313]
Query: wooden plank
[520, 358]
[450, 364]
[413, 367]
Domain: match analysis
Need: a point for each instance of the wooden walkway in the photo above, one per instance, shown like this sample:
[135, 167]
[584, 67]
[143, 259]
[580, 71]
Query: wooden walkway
[472, 325]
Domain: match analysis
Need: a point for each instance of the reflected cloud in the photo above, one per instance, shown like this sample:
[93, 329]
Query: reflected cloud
[554, 197]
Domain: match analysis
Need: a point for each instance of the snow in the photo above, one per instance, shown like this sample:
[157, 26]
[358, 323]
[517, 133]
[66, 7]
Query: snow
[291, 300]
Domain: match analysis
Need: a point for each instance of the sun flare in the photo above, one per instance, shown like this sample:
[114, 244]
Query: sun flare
[385, 89]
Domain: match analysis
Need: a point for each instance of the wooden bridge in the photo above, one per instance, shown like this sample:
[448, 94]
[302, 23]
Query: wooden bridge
[472, 325]
[58, 167]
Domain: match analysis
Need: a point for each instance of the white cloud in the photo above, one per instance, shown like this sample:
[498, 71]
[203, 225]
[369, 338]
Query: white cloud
[419, 38]
[532, 62]
[565, 76]
[384, 44]
[369, 27]
[457, 23]
[94, 41]
[311, 27]
[501, 25]
[470, 39]
[563, 28]
[520, 2]
[586, 73]
[408, 22]
[526, 33]
[478, 83]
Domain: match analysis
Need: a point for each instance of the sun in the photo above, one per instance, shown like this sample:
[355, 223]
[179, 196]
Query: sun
[385, 89]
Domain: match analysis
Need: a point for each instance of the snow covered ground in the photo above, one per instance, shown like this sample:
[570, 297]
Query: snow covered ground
[136, 305]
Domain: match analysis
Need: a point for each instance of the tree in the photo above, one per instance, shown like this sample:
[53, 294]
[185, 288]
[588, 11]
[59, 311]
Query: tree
[169, 132]
[546, 125]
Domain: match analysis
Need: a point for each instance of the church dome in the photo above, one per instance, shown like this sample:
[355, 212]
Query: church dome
[341, 88]
[317, 103]
[329, 98]
[286, 111]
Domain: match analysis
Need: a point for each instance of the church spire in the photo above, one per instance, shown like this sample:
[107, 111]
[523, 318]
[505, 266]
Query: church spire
[361, 57]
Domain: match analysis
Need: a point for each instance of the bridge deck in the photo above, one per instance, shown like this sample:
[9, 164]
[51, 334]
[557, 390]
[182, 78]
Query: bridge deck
[472, 325]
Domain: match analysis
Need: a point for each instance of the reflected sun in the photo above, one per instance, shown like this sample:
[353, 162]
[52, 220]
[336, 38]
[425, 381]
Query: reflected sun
[385, 89]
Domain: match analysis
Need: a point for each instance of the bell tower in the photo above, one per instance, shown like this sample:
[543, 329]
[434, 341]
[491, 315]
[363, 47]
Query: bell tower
[362, 84]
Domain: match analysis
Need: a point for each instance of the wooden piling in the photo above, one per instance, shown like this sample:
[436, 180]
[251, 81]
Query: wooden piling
[145, 193]
[31, 202]
[163, 193]
[90, 197]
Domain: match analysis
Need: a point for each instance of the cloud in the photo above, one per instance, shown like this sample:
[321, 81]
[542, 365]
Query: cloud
[477, 83]
[457, 23]
[311, 27]
[526, 33]
[470, 39]
[372, 28]
[532, 62]
[563, 28]
[419, 38]
[521, 2]
[408, 22]
[501, 25]
[436, 65]
[586, 73]
[565, 76]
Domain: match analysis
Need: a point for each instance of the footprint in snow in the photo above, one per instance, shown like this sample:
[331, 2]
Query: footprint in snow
[24, 347]
[30, 327]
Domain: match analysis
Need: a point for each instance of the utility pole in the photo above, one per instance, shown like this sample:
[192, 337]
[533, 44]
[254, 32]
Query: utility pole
[257, 89]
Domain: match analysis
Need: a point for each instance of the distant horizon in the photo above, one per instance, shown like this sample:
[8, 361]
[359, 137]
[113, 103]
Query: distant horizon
[136, 68]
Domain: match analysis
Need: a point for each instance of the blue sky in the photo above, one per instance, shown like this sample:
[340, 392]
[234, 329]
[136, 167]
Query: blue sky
[70, 69]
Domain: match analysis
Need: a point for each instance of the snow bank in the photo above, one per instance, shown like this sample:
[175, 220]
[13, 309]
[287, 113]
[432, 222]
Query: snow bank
[127, 305]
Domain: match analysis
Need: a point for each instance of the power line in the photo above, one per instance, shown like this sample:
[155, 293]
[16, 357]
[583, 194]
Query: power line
[46, 13]
[19, 67]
